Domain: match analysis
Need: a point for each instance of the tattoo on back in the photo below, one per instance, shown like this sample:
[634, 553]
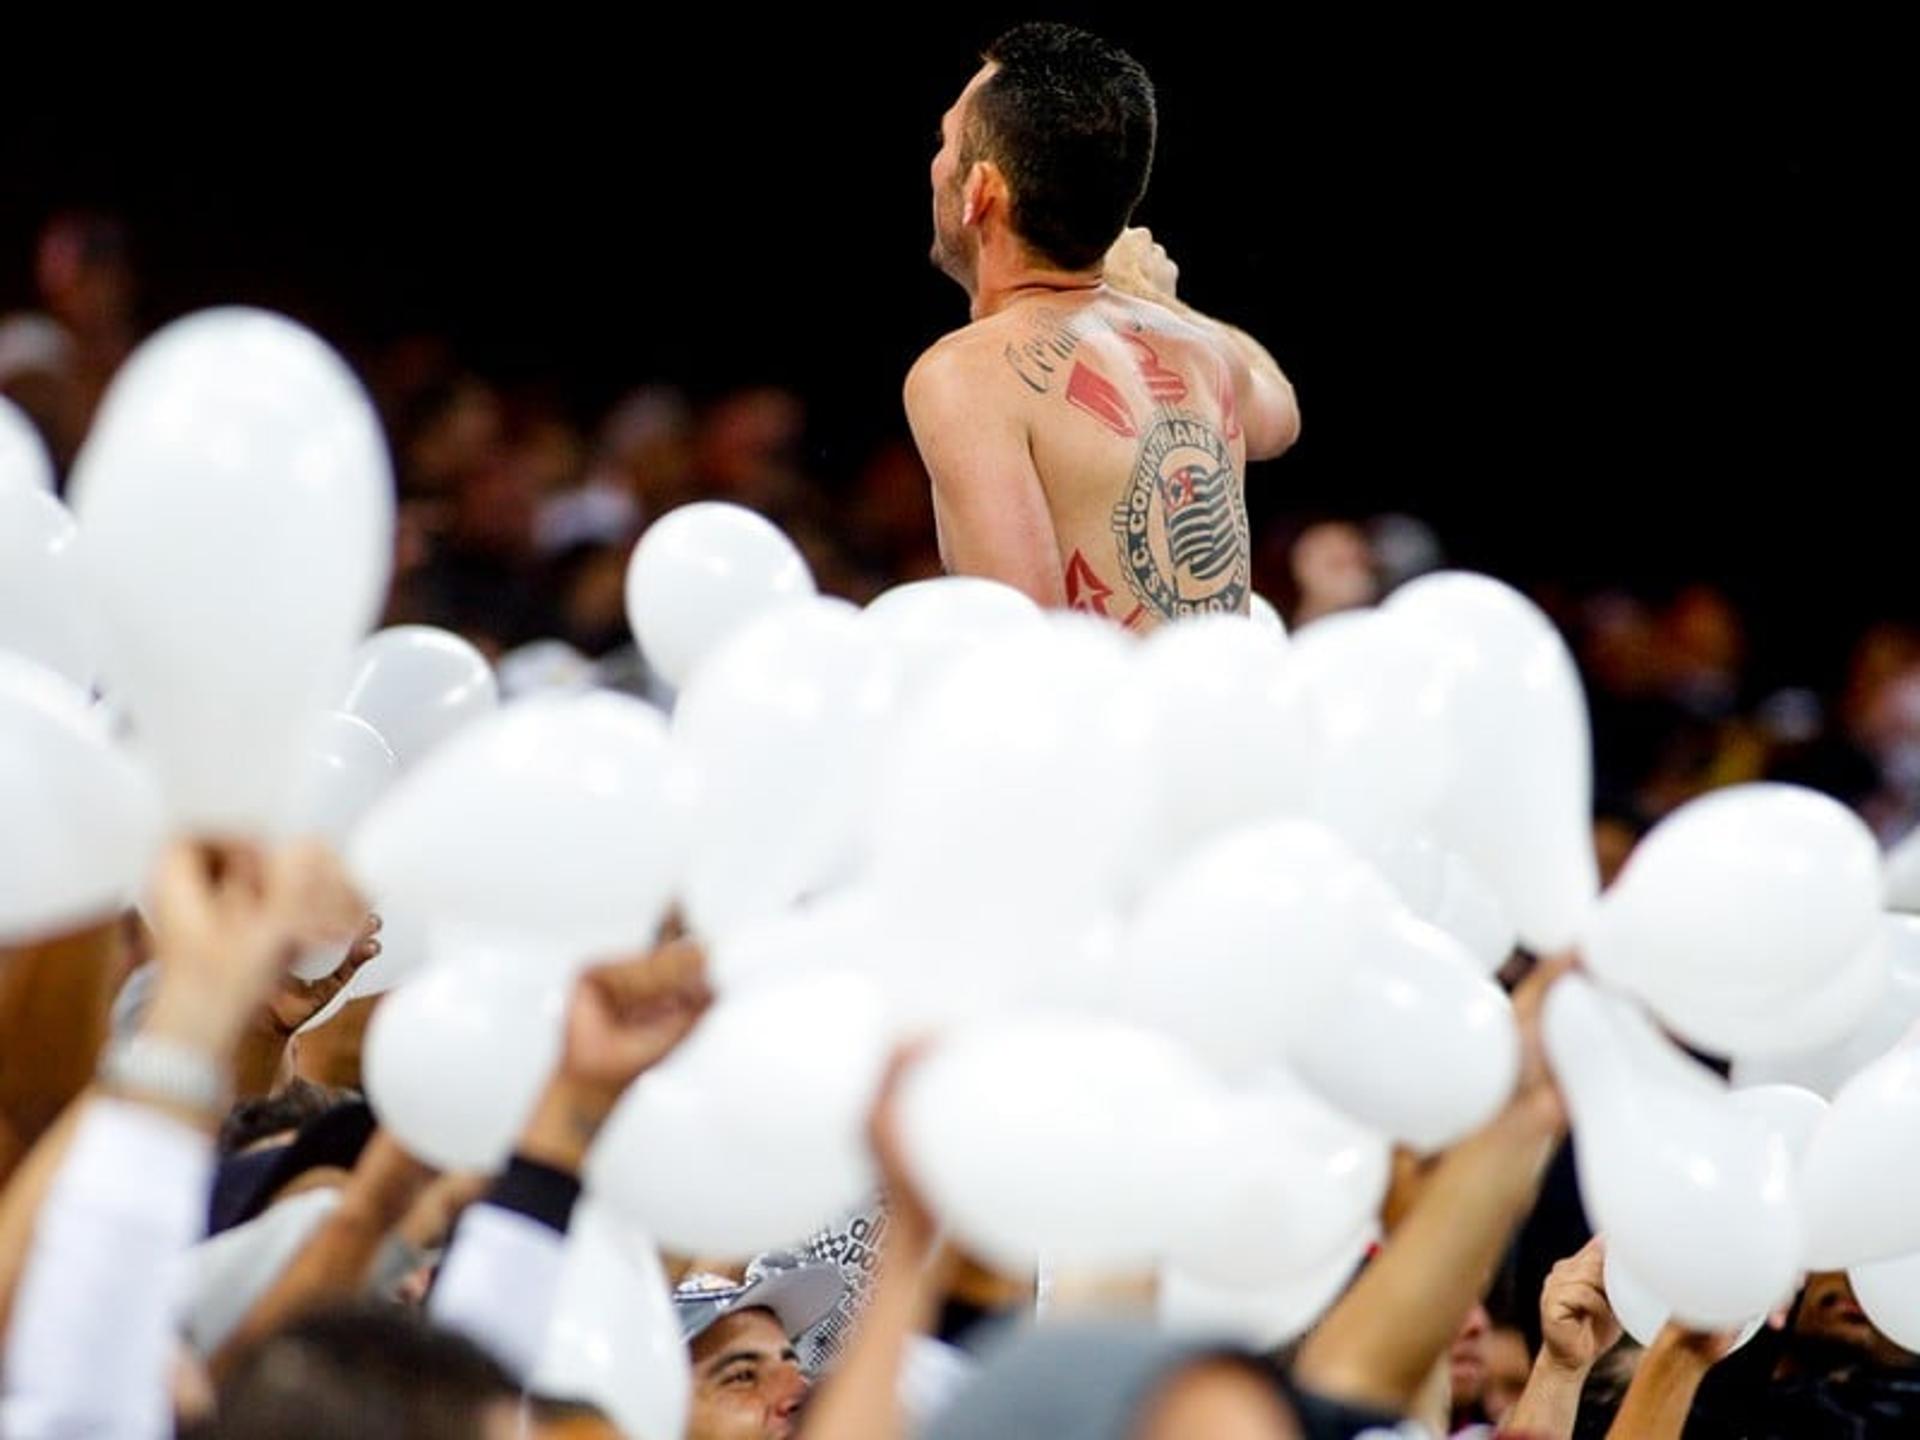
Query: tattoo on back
[1038, 358]
[1088, 593]
[1181, 525]
[1089, 390]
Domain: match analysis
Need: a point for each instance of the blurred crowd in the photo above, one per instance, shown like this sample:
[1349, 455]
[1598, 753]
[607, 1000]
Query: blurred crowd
[517, 517]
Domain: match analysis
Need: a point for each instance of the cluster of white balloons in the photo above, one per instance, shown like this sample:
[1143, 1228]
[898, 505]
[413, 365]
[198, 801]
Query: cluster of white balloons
[1206, 922]
[1750, 924]
[1203, 924]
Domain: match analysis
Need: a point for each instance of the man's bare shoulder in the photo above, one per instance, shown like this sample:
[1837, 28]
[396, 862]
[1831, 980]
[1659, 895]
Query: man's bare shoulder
[968, 378]
[954, 356]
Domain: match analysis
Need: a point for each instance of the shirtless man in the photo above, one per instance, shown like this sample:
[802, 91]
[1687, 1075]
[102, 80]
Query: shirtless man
[1087, 434]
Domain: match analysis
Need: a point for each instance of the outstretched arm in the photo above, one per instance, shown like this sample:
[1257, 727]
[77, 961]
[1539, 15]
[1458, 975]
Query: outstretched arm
[1380, 1343]
[1577, 1327]
[1663, 1387]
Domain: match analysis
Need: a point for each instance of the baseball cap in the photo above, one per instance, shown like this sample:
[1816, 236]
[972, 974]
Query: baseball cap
[799, 1294]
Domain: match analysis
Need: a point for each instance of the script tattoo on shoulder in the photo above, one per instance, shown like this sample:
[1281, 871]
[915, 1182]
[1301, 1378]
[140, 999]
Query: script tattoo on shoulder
[1038, 357]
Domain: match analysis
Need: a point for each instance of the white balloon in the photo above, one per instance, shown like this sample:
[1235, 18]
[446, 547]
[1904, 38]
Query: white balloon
[1826, 1068]
[752, 1134]
[1471, 913]
[1415, 867]
[1519, 799]
[1260, 610]
[43, 600]
[1228, 730]
[82, 820]
[1440, 887]
[457, 1057]
[236, 512]
[416, 685]
[1787, 1110]
[1413, 994]
[779, 736]
[929, 624]
[1011, 796]
[1290, 1186]
[1643, 1314]
[699, 573]
[1863, 1168]
[1379, 750]
[1695, 1197]
[1219, 952]
[1788, 1020]
[348, 768]
[1261, 1319]
[936, 975]
[24, 462]
[549, 820]
[1889, 1293]
[1066, 1136]
[1738, 899]
[830, 932]
[614, 1340]
[1903, 875]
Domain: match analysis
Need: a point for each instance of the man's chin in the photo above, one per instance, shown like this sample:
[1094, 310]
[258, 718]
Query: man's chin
[948, 264]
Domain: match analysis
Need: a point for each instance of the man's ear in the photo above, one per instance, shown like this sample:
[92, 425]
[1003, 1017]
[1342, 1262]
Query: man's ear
[984, 190]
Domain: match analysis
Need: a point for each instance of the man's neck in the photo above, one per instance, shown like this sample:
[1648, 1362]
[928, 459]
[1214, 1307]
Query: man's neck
[999, 288]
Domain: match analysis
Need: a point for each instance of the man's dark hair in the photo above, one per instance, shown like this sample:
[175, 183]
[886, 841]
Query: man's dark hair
[289, 1109]
[1069, 119]
[369, 1370]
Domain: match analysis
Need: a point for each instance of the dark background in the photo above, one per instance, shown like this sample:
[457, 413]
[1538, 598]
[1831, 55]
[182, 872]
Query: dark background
[1604, 303]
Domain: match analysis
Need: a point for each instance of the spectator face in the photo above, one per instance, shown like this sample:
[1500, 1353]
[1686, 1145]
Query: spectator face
[1333, 570]
[1508, 1365]
[1467, 1361]
[83, 274]
[1828, 1311]
[747, 1382]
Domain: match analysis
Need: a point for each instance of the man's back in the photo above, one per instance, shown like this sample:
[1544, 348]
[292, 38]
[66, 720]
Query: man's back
[1129, 415]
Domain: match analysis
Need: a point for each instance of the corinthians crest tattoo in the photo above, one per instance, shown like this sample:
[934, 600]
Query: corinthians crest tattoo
[1182, 524]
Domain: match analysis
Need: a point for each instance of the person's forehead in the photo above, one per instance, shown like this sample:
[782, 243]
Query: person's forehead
[757, 1329]
[958, 110]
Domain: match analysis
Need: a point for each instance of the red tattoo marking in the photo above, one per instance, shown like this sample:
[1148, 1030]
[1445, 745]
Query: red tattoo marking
[1133, 617]
[1229, 406]
[1163, 384]
[1085, 590]
[1097, 395]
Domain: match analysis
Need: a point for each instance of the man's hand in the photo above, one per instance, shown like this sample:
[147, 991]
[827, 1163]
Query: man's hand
[623, 1019]
[229, 919]
[1661, 1396]
[1139, 265]
[1577, 1325]
[910, 1220]
[295, 1001]
[627, 1017]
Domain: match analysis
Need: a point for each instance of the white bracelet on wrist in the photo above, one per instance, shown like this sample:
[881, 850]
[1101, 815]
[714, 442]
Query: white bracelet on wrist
[166, 1071]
